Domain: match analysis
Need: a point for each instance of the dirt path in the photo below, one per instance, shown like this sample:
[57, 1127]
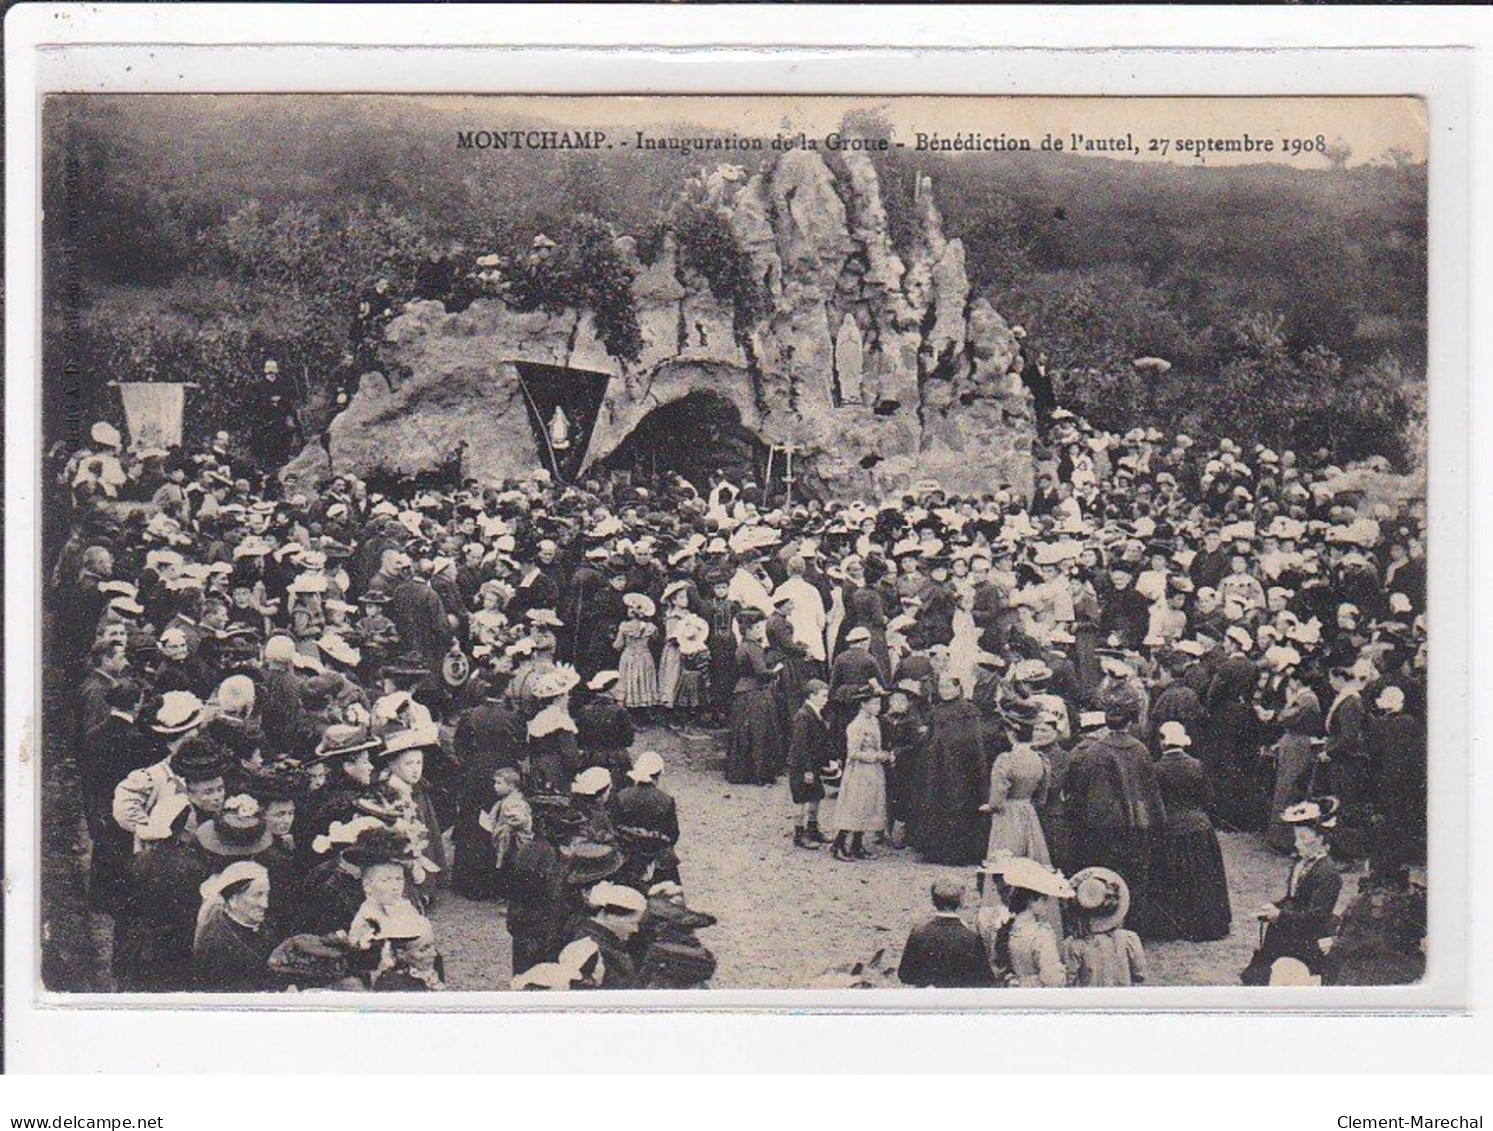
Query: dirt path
[787, 914]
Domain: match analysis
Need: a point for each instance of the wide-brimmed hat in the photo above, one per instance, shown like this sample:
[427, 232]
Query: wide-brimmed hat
[413, 738]
[646, 766]
[545, 976]
[639, 603]
[553, 684]
[1317, 813]
[603, 680]
[591, 782]
[178, 713]
[589, 862]
[1102, 897]
[237, 830]
[336, 648]
[1021, 872]
[343, 740]
[544, 617]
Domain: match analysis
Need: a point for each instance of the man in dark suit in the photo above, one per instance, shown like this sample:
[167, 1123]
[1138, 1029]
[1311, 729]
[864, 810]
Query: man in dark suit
[944, 952]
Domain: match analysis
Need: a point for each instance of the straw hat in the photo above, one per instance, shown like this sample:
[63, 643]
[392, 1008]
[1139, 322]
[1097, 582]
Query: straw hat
[1020, 872]
[1103, 898]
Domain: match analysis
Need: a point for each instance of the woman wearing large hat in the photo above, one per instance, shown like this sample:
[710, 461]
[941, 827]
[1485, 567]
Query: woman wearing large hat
[634, 641]
[1027, 948]
[400, 770]
[1291, 926]
[553, 750]
[236, 831]
[345, 753]
[1018, 783]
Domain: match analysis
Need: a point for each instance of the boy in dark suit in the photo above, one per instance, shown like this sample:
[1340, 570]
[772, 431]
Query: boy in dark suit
[943, 951]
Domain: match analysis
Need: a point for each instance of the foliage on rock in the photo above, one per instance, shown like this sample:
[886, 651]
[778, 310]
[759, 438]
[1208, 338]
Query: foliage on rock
[583, 270]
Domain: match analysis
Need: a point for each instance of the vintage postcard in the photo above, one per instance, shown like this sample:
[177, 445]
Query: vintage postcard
[683, 543]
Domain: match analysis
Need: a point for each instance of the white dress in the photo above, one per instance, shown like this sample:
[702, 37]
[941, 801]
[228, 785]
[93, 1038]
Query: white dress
[862, 804]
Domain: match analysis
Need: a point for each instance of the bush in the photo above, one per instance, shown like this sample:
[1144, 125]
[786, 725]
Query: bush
[584, 269]
[707, 246]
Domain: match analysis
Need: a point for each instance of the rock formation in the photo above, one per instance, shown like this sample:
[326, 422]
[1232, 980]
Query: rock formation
[878, 368]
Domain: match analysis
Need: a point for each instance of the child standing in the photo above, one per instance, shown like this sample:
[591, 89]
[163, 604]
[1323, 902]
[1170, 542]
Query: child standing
[639, 678]
[1103, 953]
[510, 823]
[861, 808]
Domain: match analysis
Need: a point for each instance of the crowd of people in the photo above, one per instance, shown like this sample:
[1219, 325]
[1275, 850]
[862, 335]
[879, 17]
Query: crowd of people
[298, 712]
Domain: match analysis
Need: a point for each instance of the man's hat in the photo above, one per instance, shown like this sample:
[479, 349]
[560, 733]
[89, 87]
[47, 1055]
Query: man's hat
[344, 740]
[178, 713]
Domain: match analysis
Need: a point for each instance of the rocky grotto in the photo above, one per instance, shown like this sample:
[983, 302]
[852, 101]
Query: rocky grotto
[879, 368]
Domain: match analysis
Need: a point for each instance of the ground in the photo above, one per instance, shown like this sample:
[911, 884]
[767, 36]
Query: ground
[786, 915]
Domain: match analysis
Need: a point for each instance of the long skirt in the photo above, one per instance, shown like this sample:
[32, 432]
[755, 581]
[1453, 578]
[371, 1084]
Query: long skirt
[693, 690]
[1293, 771]
[1059, 836]
[1017, 830]
[670, 669]
[1189, 892]
[861, 807]
[754, 753]
[639, 678]
[1126, 851]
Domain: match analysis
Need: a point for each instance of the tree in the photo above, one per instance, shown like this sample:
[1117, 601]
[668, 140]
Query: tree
[1338, 153]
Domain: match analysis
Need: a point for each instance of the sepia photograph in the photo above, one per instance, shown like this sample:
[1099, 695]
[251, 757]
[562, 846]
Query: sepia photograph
[795, 543]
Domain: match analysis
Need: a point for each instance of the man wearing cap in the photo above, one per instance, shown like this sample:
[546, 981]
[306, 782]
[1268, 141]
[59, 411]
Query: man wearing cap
[616, 916]
[420, 617]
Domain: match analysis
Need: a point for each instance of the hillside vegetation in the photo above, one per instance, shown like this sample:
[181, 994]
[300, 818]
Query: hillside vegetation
[192, 237]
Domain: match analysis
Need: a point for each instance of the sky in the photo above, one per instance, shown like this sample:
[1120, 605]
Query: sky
[1370, 126]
